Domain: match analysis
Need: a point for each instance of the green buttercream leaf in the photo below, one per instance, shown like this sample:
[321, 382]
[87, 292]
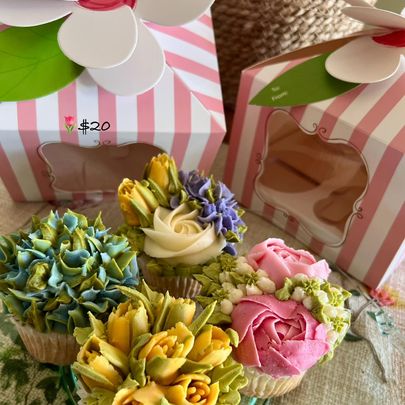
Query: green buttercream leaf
[219, 318]
[161, 317]
[212, 272]
[139, 343]
[204, 280]
[137, 368]
[193, 367]
[87, 371]
[202, 319]
[233, 336]
[137, 296]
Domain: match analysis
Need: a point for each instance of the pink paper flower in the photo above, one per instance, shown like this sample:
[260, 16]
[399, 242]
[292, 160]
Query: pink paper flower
[280, 261]
[370, 59]
[281, 338]
[383, 297]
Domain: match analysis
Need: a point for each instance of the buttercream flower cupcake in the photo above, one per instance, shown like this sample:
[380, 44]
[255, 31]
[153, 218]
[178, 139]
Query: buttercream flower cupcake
[179, 222]
[56, 272]
[288, 317]
[153, 351]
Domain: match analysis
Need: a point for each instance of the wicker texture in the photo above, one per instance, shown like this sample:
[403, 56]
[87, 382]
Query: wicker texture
[249, 31]
[263, 386]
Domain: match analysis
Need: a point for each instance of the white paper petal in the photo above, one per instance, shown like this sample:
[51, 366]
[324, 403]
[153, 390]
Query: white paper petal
[363, 61]
[30, 13]
[359, 3]
[173, 12]
[376, 16]
[140, 73]
[99, 39]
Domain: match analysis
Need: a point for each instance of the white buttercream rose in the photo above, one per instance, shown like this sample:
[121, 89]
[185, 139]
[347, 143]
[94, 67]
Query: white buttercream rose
[177, 237]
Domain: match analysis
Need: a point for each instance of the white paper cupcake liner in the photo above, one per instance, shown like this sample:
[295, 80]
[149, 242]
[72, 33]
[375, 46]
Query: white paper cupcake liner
[54, 348]
[261, 385]
[178, 287]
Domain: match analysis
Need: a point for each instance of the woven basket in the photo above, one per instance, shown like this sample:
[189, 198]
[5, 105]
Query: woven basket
[249, 31]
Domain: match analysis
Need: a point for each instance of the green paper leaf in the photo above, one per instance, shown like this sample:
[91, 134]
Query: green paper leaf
[32, 64]
[306, 83]
[349, 337]
[355, 293]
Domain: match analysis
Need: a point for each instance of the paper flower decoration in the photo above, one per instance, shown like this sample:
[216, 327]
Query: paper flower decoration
[63, 267]
[153, 352]
[108, 37]
[370, 59]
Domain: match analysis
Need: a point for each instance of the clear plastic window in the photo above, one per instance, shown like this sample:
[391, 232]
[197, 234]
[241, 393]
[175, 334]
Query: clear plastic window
[317, 182]
[85, 169]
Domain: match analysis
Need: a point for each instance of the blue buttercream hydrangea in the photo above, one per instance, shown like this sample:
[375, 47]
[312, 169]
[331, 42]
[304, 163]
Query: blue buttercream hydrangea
[217, 205]
[62, 268]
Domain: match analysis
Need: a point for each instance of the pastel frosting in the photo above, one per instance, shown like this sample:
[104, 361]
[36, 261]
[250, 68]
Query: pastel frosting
[281, 261]
[281, 338]
[178, 238]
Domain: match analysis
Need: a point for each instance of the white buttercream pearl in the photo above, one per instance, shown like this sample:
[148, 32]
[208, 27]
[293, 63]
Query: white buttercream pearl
[262, 273]
[342, 313]
[235, 296]
[241, 260]
[242, 287]
[307, 302]
[244, 268]
[298, 294]
[301, 277]
[266, 285]
[330, 311]
[224, 277]
[226, 307]
[228, 286]
[253, 290]
[332, 336]
[322, 297]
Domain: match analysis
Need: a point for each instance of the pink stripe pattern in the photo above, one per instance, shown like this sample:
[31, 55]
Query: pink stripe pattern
[186, 35]
[27, 124]
[386, 168]
[182, 105]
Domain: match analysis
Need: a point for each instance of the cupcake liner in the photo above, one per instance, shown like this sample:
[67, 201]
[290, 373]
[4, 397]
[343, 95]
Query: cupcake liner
[261, 385]
[178, 287]
[54, 348]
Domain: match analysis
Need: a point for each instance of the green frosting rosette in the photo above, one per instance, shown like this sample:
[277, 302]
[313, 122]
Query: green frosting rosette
[325, 301]
[62, 268]
[153, 351]
[227, 280]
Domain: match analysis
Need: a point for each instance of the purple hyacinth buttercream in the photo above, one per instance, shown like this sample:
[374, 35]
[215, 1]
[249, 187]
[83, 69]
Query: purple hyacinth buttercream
[217, 205]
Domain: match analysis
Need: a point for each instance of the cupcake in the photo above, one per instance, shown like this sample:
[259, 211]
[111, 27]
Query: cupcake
[152, 351]
[55, 273]
[287, 315]
[178, 222]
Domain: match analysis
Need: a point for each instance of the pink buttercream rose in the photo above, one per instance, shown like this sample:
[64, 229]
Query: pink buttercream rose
[281, 338]
[280, 261]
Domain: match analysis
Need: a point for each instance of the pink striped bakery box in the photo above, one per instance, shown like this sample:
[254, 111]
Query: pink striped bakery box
[115, 136]
[331, 173]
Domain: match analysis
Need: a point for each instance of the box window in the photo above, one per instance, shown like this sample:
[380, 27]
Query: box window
[319, 183]
[88, 169]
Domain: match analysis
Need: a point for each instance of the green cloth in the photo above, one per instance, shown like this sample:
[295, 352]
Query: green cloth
[24, 381]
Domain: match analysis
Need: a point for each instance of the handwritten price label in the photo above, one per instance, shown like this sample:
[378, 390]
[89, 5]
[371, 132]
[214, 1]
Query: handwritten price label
[93, 126]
